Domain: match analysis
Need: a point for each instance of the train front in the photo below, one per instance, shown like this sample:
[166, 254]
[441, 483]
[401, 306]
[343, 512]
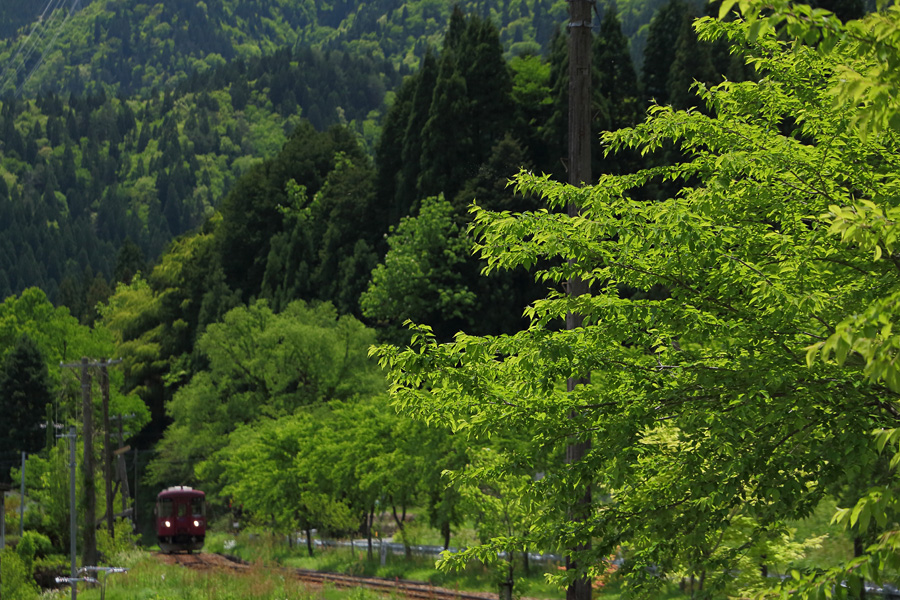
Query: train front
[180, 519]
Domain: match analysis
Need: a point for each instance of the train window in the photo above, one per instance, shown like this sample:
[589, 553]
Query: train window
[182, 509]
[197, 507]
[165, 507]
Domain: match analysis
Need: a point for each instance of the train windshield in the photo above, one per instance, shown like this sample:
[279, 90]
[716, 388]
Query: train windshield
[165, 507]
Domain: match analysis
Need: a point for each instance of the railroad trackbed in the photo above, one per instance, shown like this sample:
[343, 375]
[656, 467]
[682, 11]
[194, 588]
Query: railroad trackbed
[398, 587]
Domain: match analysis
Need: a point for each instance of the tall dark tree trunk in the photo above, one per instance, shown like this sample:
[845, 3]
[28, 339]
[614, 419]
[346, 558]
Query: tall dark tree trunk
[859, 549]
[401, 526]
[580, 17]
[506, 586]
[370, 518]
[309, 544]
[445, 531]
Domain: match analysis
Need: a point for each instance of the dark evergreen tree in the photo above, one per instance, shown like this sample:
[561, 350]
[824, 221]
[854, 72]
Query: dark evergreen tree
[479, 59]
[389, 152]
[129, 262]
[24, 395]
[615, 81]
[692, 62]
[555, 130]
[662, 38]
[448, 147]
[413, 139]
[845, 10]
[253, 211]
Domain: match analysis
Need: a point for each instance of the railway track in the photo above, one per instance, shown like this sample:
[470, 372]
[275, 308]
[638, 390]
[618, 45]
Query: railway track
[417, 590]
[409, 589]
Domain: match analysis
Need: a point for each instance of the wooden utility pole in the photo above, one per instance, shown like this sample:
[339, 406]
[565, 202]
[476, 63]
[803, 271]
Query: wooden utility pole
[89, 551]
[107, 451]
[580, 36]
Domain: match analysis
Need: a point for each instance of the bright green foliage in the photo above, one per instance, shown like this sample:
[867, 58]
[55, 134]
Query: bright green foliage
[262, 364]
[500, 503]
[16, 582]
[155, 321]
[419, 279]
[120, 542]
[58, 338]
[330, 467]
[275, 470]
[710, 427]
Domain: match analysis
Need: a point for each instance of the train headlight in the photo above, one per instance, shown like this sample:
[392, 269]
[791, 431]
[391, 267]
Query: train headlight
[168, 523]
[196, 523]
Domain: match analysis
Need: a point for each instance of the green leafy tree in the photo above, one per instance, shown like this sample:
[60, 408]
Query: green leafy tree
[745, 394]
[16, 583]
[418, 279]
[274, 470]
[499, 502]
[262, 364]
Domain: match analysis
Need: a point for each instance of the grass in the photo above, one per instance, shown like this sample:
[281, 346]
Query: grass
[149, 579]
[274, 551]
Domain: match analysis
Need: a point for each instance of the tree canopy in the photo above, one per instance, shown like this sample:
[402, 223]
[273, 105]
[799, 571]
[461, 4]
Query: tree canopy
[744, 389]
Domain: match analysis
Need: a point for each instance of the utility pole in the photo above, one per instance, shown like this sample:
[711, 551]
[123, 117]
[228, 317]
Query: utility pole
[73, 524]
[89, 550]
[107, 451]
[22, 501]
[580, 17]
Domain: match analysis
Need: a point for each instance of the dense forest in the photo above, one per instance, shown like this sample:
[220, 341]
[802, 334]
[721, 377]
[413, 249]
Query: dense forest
[248, 203]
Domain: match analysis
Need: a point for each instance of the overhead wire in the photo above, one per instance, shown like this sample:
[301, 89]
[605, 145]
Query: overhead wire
[24, 43]
[40, 24]
[48, 48]
[38, 33]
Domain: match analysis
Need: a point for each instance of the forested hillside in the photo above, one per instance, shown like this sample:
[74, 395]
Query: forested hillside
[130, 47]
[144, 117]
[249, 202]
[81, 174]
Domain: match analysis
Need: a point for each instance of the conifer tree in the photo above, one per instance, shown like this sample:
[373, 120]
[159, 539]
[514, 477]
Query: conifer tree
[488, 85]
[388, 153]
[447, 138]
[24, 394]
[692, 62]
[407, 187]
[555, 130]
[662, 37]
[615, 80]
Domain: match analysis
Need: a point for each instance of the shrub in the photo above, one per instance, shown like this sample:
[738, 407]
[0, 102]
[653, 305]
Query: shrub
[16, 582]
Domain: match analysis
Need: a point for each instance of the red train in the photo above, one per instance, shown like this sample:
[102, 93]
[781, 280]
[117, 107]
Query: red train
[180, 519]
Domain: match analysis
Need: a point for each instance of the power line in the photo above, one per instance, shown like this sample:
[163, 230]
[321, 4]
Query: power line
[34, 28]
[48, 48]
[37, 34]
[39, 24]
